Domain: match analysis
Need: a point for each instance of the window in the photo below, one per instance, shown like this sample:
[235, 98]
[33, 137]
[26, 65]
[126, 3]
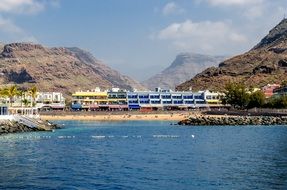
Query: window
[200, 102]
[133, 101]
[143, 96]
[155, 102]
[188, 97]
[112, 96]
[198, 97]
[133, 96]
[208, 97]
[178, 102]
[176, 96]
[166, 96]
[144, 101]
[122, 96]
[166, 102]
[154, 96]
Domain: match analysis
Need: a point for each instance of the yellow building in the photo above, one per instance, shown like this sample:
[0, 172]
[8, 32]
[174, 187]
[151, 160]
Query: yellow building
[90, 98]
[213, 98]
[97, 99]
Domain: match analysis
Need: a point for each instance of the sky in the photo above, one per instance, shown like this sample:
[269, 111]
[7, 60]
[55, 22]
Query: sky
[140, 38]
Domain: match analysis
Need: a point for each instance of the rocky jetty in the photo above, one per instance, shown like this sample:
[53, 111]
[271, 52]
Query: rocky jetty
[7, 126]
[239, 120]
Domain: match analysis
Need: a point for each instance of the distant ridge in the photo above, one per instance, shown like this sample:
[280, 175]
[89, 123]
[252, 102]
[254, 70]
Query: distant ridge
[184, 67]
[263, 64]
[58, 69]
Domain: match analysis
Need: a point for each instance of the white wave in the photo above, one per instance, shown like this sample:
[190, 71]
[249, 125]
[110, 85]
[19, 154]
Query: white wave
[99, 137]
[165, 136]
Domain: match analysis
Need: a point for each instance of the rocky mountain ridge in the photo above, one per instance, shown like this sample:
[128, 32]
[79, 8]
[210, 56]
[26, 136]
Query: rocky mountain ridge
[184, 67]
[58, 69]
[263, 64]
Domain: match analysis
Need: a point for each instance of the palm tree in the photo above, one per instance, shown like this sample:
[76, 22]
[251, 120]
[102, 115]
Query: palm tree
[22, 92]
[26, 102]
[33, 93]
[2, 94]
[11, 92]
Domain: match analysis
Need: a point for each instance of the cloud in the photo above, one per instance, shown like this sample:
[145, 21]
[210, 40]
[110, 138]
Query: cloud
[14, 33]
[21, 6]
[254, 11]
[8, 26]
[172, 8]
[204, 37]
[11, 31]
[233, 2]
[249, 22]
[250, 9]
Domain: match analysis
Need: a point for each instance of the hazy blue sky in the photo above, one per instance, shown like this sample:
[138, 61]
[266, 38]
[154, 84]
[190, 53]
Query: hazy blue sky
[141, 37]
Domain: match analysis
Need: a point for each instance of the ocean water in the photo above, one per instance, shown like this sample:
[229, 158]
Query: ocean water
[145, 155]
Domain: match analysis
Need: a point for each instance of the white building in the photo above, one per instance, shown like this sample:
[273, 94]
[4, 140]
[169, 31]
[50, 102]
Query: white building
[50, 100]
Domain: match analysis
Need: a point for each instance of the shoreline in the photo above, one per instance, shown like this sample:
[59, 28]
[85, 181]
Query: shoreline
[121, 117]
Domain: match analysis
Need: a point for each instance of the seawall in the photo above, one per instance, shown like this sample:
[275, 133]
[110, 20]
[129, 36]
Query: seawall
[234, 120]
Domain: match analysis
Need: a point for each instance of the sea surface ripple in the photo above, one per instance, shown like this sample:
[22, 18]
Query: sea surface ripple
[145, 155]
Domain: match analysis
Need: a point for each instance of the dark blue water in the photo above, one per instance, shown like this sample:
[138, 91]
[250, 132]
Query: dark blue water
[145, 155]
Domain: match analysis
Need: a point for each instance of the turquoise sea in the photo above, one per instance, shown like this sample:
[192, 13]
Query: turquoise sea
[145, 155]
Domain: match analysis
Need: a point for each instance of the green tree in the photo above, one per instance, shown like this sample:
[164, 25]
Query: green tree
[256, 99]
[284, 83]
[33, 93]
[11, 92]
[3, 94]
[284, 101]
[277, 102]
[22, 93]
[236, 95]
[26, 102]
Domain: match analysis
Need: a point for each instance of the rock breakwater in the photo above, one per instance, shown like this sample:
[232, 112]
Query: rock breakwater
[237, 120]
[7, 126]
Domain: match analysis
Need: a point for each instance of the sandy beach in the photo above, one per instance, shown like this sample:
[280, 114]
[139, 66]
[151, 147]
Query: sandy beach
[120, 117]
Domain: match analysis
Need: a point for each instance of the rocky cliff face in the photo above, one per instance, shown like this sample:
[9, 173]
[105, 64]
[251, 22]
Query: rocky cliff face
[108, 74]
[265, 63]
[1, 46]
[184, 67]
[57, 69]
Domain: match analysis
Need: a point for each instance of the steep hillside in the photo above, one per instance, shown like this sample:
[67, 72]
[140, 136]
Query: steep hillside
[57, 69]
[265, 63]
[1, 46]
[184, 67]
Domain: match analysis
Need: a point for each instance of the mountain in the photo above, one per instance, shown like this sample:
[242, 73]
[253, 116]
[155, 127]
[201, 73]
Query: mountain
[184, 67]
[1, 46]
[264, 63]
[58, 69]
